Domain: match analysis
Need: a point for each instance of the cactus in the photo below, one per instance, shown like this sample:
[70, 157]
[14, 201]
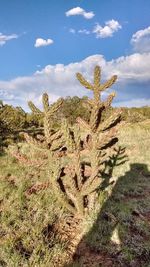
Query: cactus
[92, 152]
[51, 139]
[77, 176]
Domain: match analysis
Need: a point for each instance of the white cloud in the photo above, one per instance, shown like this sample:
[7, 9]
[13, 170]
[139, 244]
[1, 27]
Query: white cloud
[72, 30]
[134, 67]
[108, 30]
[140, 102]
[141, 40]
[42, 42]
[60, 80]
[84, 31]
[80, 11]
[6, 38]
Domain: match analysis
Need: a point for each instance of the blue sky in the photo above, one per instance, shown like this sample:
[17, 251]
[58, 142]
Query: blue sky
[43, 43]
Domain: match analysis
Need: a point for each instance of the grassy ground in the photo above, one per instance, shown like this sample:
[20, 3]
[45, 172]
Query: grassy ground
[119, 237]
[121, 234]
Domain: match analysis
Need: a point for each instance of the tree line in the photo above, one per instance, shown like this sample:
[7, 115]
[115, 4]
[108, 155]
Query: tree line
[15, 119]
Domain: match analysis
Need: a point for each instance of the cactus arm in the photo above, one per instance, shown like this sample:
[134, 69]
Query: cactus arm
[94, 118]
[55, 136]
[83, 81]
[45, 101]
[62, 198]
[68, 137]
[83, 124]
[33, 108]
[111, 121]
[93, 186]
[109, 100]
[47, 127]
[97, 76]
[108, 84]
[54, 107]
[56, 144]
[55, 176]
[34, 142]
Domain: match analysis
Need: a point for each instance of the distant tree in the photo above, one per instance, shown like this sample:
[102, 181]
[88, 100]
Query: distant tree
[72, 108]
[14, 118]
[135, 114]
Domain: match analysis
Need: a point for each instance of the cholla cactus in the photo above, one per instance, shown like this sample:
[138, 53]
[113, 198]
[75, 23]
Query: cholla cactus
[78, 176]
[81, 173]
[51, 139]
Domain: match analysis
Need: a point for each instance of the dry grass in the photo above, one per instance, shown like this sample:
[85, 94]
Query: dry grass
[119, 237]
[121, 234]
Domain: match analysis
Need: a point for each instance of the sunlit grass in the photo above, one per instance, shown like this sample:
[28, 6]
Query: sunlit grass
[23, 218]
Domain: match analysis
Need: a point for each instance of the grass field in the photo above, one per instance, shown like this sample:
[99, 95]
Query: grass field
[119, 237]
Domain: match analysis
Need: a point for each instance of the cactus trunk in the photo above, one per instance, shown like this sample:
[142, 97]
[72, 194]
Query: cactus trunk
[69, 231]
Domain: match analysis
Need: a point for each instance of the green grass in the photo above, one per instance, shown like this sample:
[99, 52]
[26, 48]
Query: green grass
[25, 220]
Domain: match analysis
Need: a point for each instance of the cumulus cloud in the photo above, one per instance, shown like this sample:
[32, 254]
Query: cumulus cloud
[42, 42]
[108, 30]
[141, 40]
[84, 31]
[60, 81]
[5, 38]
[80, 11]
[140, 102]
[111, 26]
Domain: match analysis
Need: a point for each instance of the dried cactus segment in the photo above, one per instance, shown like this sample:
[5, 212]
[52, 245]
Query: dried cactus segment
[69, 230]
[35, 188]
